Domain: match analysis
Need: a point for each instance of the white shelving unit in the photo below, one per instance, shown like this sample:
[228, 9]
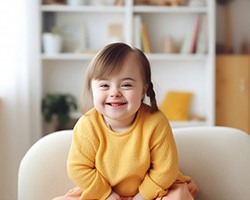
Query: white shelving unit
[184, 72]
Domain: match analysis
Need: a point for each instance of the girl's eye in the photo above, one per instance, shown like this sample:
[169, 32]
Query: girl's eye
[104, 85]
[126, 85]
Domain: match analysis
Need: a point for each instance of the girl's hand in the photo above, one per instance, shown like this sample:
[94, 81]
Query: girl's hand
[138, 196]
[193, 189]
[113, 196]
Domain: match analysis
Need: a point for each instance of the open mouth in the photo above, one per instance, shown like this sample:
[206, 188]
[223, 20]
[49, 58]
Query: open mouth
[116, 104]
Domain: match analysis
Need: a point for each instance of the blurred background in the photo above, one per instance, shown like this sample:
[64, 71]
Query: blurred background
[19, 127]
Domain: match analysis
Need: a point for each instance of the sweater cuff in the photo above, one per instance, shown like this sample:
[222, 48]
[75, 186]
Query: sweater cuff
[150, 190]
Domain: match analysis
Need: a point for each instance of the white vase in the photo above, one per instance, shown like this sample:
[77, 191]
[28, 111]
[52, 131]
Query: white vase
[52, 43]
[102, 2]
[76, 2]
[196, 3]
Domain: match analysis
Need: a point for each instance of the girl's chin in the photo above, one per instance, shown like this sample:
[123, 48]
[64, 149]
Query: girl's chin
[115, 117]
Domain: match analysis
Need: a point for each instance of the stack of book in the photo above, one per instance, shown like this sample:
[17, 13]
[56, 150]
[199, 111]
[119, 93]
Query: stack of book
[195, 40]
[141, 35]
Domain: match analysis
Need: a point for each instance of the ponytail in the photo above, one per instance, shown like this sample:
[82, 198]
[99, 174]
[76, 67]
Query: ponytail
[151, 95]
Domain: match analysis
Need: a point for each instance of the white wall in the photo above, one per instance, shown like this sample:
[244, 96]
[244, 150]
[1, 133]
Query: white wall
[15, 110]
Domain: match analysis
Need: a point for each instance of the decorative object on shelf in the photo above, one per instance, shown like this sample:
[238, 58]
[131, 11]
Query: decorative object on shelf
[119, 2]
[76, 2]
[141, 2]
[54, 2]
[74, 38]
[168, 2]
[176, 105]
[115, 33]
[58, 106]
[169, 45]
[52, 42]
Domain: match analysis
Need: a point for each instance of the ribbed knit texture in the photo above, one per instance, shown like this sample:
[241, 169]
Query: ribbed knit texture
[142, 158]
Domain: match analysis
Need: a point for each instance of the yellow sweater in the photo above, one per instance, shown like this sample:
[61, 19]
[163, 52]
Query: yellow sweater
[143, 158]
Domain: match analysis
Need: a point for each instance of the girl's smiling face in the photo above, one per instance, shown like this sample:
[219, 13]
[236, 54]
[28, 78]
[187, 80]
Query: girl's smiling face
[118, 96]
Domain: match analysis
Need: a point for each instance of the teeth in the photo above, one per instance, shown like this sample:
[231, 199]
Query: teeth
[116, 104]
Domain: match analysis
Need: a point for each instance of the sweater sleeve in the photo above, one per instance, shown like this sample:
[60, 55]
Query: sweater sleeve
[81, 166]
[164, 163]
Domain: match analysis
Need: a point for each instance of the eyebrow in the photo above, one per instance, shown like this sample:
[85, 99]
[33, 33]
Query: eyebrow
[123, 79]
[131, 79]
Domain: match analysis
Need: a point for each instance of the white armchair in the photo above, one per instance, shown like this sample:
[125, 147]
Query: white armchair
[217, 158]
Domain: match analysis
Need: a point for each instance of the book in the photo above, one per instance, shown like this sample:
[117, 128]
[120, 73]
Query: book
[145, 39]
[186, 43]
[202, 43]
[137, 32]
[195, 35]
[190, 40]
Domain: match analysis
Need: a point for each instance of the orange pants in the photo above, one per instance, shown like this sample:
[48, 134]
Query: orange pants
[178, 191]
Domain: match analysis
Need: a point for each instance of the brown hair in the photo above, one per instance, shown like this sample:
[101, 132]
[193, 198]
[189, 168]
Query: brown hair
[109, 61]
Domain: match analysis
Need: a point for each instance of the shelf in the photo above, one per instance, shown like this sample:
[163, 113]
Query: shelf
[169, 9]
[136, 9]
[180, 71]
[177, 57]
[99, 9]
[152, 57]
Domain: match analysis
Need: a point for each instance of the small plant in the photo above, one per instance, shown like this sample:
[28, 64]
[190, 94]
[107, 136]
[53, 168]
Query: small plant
[58, 106]
[55, 30]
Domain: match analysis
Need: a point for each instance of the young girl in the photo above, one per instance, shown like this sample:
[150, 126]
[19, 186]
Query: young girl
[123, 148]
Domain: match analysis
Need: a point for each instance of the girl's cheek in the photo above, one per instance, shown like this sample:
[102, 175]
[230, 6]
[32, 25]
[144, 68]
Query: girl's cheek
[98, 98]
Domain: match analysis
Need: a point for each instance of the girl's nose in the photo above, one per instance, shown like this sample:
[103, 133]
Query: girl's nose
[115, 93]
